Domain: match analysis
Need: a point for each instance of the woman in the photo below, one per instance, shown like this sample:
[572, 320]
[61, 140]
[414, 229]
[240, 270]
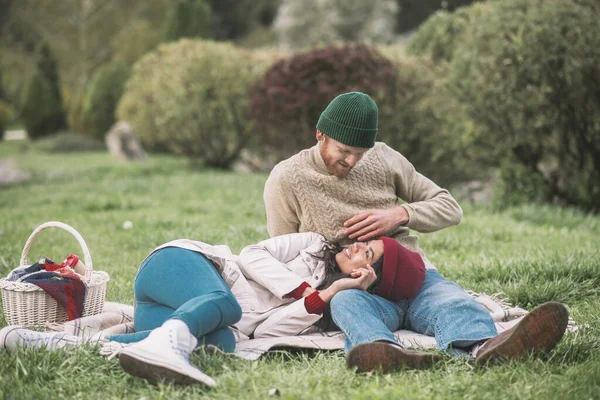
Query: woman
[188, 292]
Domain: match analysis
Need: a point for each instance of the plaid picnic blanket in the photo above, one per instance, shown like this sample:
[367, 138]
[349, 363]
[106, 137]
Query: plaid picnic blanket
[117, 318]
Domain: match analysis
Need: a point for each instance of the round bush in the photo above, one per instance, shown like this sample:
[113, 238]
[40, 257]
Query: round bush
[190, 97]
[529, 79]
[287, 102]
[103, 94]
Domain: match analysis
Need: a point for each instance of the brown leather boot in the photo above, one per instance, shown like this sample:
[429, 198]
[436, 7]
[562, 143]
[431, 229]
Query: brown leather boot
[540, 330]
[386, 357]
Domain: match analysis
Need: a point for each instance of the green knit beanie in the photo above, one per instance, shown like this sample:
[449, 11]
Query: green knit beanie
[350, 118]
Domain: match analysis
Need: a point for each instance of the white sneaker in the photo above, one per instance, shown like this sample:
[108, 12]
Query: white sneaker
[15, 337]
[164, 354]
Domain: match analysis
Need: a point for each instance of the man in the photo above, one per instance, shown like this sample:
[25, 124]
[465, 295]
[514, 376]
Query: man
[347, 188]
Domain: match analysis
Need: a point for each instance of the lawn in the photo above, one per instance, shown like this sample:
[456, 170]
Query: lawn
[531, 253]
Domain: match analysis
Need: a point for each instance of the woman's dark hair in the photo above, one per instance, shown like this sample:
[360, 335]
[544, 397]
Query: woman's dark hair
[332, 273]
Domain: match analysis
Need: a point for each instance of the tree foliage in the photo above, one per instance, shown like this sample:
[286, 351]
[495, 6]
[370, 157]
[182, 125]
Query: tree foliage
[81, 35]
[134, 40]
[414, 12]
[233, 19]
[42, 109]
[103, 94]
[303, 24]
[187, 19]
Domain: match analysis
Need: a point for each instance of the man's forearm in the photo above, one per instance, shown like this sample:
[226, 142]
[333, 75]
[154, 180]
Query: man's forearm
[431, 215]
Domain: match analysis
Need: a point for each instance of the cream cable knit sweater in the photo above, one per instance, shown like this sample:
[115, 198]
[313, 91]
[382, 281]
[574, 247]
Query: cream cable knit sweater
[301, 196]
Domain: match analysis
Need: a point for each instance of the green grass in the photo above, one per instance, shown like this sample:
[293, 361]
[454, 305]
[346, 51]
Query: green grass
[532, 254]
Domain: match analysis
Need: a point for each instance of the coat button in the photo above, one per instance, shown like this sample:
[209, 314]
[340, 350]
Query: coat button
[316, 276]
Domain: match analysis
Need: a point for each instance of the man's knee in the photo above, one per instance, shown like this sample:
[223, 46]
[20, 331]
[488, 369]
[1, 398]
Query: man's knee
[463, 308]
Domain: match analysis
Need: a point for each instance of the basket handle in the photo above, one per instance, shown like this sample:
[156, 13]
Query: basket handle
[89, 268]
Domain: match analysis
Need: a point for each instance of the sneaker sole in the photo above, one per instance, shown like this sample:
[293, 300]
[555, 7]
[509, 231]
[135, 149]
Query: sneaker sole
[380, 356]
[139, 365]
[539, 331]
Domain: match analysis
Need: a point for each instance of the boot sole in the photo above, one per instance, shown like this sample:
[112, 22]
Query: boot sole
[539, 331]
[154, 371]
[384, 357]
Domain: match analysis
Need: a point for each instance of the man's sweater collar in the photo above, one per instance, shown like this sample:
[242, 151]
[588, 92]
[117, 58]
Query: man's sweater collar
[317, 160]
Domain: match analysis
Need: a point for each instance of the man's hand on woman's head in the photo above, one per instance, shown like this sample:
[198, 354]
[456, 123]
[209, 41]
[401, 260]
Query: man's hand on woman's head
[371, 224]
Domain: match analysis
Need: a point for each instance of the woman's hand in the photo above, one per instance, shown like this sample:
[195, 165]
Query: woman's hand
[360, 279]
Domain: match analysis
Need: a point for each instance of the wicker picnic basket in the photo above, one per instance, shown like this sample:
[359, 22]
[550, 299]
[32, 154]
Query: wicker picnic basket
[28, 305]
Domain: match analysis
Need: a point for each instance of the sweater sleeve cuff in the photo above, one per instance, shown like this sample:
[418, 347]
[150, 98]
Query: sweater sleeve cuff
[314, 303]
[412, 216]
[297, 293]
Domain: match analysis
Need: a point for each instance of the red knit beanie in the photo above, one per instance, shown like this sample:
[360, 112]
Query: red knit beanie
[403, 271]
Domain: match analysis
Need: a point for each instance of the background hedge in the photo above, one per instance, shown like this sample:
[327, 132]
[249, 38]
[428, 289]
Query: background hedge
[529, 78]
[190, 98]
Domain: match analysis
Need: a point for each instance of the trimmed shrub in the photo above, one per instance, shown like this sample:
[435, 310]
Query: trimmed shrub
[190, 97]
[102, 95]
[529, 79]
[287, 102]
[187, 19]
[42, 107]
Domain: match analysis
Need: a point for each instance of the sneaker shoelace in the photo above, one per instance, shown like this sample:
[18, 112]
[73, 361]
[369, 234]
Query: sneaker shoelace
[49, 340]
[112, 349]
[179, 350]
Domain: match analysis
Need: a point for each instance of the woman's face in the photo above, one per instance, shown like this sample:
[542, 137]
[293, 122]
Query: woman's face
[358, 255]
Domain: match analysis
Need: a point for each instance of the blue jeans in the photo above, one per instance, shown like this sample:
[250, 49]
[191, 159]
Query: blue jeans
[175, 283]
[441, 309]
